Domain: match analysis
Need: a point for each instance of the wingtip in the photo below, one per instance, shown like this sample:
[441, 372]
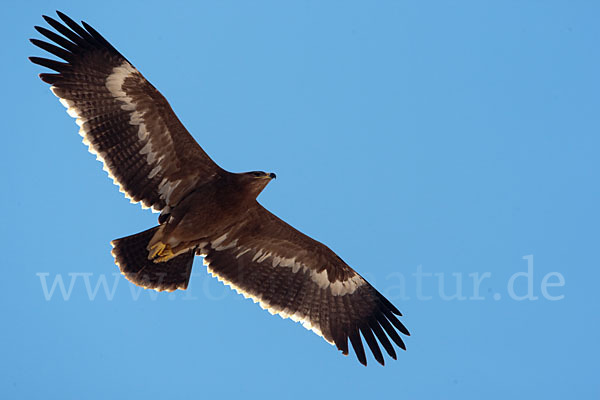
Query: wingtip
[402, 345]
[38, 60]
[62, 15]
[66, 19]
[403, 329]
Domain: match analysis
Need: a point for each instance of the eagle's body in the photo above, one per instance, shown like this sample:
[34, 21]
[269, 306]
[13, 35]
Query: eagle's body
[204, 209]
[210, 210]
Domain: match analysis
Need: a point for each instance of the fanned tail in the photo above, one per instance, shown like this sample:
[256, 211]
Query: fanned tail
[131, 255]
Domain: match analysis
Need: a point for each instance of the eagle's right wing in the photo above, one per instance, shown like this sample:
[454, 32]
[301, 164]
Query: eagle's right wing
[293, 275]
[123, 119]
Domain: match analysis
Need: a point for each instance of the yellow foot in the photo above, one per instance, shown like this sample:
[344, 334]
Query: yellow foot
[160, 252]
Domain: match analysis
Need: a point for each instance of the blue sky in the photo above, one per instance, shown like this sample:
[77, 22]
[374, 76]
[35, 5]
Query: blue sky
[430, 144]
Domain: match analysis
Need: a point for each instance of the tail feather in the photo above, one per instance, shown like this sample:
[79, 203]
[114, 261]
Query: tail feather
[131, 255]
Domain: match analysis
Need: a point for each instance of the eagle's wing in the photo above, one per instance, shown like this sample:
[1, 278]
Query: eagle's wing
[292, 275]
[124, 120]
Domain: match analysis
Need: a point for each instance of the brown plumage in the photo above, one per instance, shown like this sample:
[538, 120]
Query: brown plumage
[204, 210]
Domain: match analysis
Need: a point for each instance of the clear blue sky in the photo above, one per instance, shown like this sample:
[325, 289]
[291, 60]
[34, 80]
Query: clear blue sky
[425, 142]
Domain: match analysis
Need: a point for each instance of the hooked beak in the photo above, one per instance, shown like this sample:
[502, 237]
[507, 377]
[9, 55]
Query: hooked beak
[272, 175]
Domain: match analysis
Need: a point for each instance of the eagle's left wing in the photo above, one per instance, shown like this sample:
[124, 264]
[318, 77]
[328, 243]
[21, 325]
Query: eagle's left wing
[123, 119]
[292, 275]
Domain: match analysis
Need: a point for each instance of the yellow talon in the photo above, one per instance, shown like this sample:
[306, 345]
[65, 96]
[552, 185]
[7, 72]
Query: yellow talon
[165, 255]
[160, 252]
[156, 249]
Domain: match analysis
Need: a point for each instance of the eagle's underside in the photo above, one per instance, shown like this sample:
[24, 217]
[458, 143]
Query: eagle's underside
[205, 210]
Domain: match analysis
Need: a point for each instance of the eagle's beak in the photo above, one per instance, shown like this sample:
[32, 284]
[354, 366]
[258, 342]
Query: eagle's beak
[272, 175]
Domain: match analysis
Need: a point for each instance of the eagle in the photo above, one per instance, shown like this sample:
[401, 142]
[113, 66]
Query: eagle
[204, 209]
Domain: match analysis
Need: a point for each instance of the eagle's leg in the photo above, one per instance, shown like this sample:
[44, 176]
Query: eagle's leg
[160, 252]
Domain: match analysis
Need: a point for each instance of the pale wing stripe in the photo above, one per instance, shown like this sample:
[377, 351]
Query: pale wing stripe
[114, 83]
[337, 288]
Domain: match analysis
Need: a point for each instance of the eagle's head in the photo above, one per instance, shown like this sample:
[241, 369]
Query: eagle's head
[256, 181]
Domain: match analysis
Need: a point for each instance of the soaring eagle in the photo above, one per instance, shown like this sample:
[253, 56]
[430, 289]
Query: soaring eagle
[204, 209]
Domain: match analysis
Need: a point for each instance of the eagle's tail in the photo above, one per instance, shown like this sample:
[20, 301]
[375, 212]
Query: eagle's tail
[131, 255]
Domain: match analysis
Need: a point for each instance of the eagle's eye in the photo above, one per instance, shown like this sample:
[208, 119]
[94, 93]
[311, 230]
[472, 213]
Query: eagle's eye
[257, 174]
